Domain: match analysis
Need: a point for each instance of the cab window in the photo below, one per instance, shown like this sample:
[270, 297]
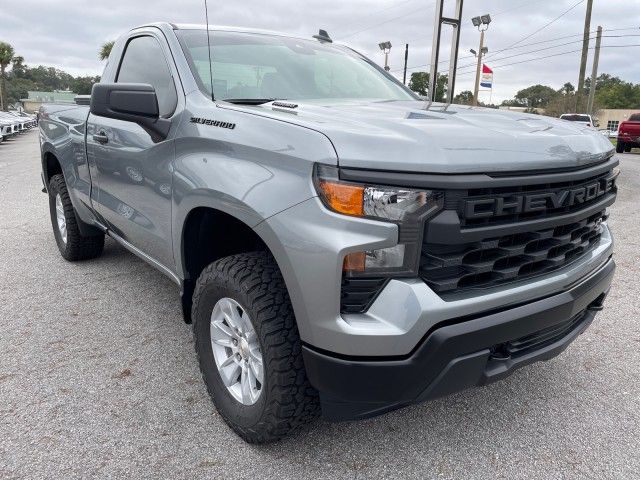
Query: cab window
[144, 62]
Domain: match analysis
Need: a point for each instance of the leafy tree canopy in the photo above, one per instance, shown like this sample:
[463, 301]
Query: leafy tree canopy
[19, 78]
[611, 92]
[419, 83]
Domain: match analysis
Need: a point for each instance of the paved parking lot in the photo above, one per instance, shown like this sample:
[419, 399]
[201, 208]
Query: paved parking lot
[98, 378]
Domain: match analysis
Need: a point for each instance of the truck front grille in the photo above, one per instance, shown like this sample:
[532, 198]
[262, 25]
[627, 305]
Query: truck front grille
[496, 230]
[509, 258]
[590, 191]
[487, 237]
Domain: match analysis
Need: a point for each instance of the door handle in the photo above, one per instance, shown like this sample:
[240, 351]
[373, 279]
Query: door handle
[101, 138]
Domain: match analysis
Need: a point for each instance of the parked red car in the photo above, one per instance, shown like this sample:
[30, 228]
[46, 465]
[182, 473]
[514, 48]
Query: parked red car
[629, 134]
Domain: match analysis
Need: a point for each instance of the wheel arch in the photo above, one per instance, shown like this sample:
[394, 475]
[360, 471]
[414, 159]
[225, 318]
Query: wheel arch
[51, 165]
[209, 233]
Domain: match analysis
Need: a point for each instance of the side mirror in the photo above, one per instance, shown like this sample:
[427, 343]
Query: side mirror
[131, 102]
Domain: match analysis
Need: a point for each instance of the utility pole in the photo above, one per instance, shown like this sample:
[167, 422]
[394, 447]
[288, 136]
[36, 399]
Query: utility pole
[585, 52]
[406, 58]
[476, 91]
[594, 73]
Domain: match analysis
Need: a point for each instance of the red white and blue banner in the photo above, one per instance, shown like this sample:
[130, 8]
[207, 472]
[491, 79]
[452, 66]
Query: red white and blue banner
[486, 80]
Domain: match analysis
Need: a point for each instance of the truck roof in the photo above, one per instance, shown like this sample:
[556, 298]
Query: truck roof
[220, 28]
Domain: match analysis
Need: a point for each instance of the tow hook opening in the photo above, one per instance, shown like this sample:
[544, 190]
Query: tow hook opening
[598, 304]
[500, 353]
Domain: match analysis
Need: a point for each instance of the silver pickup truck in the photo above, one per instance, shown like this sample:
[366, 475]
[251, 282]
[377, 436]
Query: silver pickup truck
[341, 247]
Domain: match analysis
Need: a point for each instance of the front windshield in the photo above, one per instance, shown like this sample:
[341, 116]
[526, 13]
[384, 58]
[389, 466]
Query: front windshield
[257, 66]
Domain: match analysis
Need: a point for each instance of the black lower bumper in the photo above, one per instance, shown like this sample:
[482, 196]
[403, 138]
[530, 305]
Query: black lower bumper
[457, 355]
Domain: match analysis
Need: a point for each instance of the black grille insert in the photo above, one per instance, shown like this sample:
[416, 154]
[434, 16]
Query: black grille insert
[358, 294]
[536, 341]
[510, 258]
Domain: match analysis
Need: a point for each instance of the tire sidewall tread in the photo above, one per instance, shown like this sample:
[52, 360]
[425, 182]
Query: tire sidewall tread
[78, 247]
[287, 400]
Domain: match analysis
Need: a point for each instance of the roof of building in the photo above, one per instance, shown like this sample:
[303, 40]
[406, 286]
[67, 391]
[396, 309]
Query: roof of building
[55, 96]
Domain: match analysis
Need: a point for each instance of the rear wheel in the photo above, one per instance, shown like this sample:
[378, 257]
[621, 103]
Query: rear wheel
[620, 147]
[249, 349]
[627, 148]
[72, 244]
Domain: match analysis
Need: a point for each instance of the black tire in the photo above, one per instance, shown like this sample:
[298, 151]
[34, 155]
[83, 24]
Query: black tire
[620, 147]
[287, 400]
[77, 247]
[627, 148]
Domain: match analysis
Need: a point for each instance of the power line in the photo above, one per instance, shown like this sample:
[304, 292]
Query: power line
[385, 22]
[391, 7]
[532, 44]
[554, 55]
[538, 50]
[547, 24]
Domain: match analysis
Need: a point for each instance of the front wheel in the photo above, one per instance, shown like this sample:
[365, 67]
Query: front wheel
[249, 349]
[72, 244]
[620, 147]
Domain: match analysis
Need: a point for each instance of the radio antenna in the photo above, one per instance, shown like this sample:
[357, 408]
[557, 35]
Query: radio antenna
[206, 15]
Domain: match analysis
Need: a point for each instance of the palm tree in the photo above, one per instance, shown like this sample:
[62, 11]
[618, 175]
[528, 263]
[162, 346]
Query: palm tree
[6, 55]
[105, 50]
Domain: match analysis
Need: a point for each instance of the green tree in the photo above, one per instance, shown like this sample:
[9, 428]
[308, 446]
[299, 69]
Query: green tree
[464, 98]
[83, 85]
[419, 83]
[536, 96]
[105, 50]
[6, 55]
[17, 66]
[567, 89]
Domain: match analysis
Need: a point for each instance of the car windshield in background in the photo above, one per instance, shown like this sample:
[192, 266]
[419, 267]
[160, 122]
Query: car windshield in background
[635, 117]
[576, 118]
[254, 67]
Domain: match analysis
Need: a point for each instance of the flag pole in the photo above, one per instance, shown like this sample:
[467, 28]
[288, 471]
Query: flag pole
[493, 78]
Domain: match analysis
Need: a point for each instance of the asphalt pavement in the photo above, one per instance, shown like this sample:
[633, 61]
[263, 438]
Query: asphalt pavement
[98, 378]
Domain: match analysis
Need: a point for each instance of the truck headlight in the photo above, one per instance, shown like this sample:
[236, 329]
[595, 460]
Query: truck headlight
[405, 207]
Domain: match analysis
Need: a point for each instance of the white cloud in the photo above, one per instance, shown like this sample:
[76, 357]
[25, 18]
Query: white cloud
[68, 34]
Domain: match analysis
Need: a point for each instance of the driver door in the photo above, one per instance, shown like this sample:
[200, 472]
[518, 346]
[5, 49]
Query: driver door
[131, 172]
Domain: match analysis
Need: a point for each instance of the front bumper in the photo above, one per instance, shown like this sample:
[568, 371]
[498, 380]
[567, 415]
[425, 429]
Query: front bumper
[457, 354]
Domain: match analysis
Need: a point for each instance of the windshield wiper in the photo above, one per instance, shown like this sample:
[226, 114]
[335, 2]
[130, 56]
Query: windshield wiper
[250, 101]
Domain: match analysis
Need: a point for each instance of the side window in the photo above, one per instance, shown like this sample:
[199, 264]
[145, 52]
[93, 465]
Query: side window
[144, 62]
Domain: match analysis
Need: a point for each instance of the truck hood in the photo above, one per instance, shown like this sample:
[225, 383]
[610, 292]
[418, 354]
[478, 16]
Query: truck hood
[404, 136]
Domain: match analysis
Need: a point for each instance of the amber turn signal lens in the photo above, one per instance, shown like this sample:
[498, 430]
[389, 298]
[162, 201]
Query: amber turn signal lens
[343, 198]
[354, 262]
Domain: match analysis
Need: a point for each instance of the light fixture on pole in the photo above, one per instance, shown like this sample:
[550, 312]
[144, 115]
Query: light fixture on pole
[482, 23]
[386, 48]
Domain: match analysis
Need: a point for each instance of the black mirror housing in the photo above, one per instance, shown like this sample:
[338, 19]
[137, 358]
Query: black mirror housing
[131, 102]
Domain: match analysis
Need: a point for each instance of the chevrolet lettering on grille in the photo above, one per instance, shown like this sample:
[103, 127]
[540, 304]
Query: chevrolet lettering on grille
[496, 206]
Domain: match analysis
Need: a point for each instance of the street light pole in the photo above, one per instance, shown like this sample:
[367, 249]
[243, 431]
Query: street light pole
[476, 91]
[386, 48]
[482, 23]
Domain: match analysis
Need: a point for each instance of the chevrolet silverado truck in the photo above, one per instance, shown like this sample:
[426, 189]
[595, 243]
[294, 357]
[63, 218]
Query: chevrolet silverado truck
[341, 247]
[629, 134]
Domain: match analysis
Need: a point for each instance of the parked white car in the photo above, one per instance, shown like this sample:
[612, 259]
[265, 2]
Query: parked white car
[587, 120]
